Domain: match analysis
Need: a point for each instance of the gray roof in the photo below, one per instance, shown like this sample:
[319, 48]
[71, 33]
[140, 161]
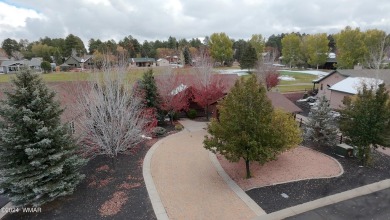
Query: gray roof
[85, 57]
[383, 74]
[142, 60]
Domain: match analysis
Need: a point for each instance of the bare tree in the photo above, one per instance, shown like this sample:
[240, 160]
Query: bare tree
[111, 118]
[266, 71]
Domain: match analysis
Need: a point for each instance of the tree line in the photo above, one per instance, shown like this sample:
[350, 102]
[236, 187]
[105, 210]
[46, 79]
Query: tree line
[352, 46]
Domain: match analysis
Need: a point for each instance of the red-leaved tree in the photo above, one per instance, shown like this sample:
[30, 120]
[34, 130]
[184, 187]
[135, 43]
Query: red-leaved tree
[207, 87]
[173, 92]
[272, 79]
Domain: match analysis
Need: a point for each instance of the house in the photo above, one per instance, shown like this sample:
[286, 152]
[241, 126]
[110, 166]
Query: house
[12, 66]
[85, 62]
[279, 101]
[142, 62]
[162, 62]
[340, 83]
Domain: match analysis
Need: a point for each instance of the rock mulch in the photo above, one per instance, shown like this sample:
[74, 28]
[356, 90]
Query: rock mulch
[270, 197]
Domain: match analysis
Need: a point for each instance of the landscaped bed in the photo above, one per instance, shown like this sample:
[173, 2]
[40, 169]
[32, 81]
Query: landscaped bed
[270, 199]
[296, 164]
[109, 191]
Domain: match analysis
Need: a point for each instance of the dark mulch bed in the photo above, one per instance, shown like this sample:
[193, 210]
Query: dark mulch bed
[105, 187]
[269, 198]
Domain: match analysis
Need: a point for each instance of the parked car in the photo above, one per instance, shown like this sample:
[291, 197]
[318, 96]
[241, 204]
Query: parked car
[310, 99]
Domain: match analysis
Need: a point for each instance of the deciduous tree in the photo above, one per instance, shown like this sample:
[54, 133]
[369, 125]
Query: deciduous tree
[350, 48]
[257, 41]
[10, 45]
[249, 128]
[38, 159]
[291, 51]
[172, 91]
[221, 47]
[365, 120]
[317, 49]
[207, 86]
[378, 45]
[112, 116]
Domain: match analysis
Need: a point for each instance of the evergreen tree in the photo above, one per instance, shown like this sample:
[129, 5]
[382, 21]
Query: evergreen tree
[249, 58]
[38, 159]
[249, 128]
[149, 89]
[321, 126]
[187, 56]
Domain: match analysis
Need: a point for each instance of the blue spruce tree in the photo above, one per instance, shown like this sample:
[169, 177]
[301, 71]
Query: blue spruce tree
[38, 159]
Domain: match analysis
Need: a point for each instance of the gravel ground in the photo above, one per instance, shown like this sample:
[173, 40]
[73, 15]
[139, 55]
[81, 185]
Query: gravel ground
[107, 192]
[269, 198]
[296, 164]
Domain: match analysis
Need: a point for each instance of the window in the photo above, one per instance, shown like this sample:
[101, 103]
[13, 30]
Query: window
[321, 86]
[71, 127]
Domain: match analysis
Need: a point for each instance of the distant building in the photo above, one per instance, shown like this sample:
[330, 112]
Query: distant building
[13, 66]
[142, 62]
[162, 62]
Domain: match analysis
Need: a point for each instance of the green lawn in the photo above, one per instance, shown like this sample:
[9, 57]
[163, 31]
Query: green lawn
[132, 75]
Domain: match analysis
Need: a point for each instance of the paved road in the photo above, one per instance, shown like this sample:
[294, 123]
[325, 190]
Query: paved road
[372, 206]
[3, 201]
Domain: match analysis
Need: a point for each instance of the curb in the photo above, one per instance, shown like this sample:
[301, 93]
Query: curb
[236, 189]
[318, 203]
[7, 206]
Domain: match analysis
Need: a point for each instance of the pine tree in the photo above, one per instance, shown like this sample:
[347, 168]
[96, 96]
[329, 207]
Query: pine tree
[321, 126]
[187, 56]
[149, 88]
[38, 159]
[249, 58]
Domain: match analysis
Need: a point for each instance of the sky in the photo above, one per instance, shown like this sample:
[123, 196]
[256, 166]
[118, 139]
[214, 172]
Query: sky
[159, 19]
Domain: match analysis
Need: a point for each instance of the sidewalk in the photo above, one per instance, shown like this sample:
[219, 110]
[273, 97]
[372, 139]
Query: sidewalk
[187, 181]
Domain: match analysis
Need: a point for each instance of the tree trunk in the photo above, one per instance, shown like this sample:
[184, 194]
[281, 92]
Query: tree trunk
[207, 111]
[248, 171]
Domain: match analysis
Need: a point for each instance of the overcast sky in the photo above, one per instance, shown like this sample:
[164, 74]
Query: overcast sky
[159, 19]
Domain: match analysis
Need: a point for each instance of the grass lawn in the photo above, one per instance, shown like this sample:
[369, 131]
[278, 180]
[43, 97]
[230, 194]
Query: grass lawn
[132, 74]
[293, 88]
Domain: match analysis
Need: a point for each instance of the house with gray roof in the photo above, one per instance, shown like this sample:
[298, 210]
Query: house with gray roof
[85, 62]
[13, 66]
[142, 62]
[340, 83]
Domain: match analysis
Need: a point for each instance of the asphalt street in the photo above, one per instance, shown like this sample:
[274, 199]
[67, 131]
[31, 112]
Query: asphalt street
[372, 206]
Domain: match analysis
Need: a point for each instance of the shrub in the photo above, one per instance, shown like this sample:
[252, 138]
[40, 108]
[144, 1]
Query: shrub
[192, 113]
[179, 127]
[158, 131]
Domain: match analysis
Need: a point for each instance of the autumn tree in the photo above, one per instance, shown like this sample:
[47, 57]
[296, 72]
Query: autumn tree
[172, 91]
[257, 41]
[365, 120]
[321, 126]
[221, 47]
[267, 74]
[38, 156]
[249, 58]
[249, 128]
[317, 49]
[207, 86]
[350, 48]
[291, 51]
[378, 45]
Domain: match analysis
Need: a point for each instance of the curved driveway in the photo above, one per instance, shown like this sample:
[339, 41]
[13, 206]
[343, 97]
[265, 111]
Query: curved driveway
[188, 183]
